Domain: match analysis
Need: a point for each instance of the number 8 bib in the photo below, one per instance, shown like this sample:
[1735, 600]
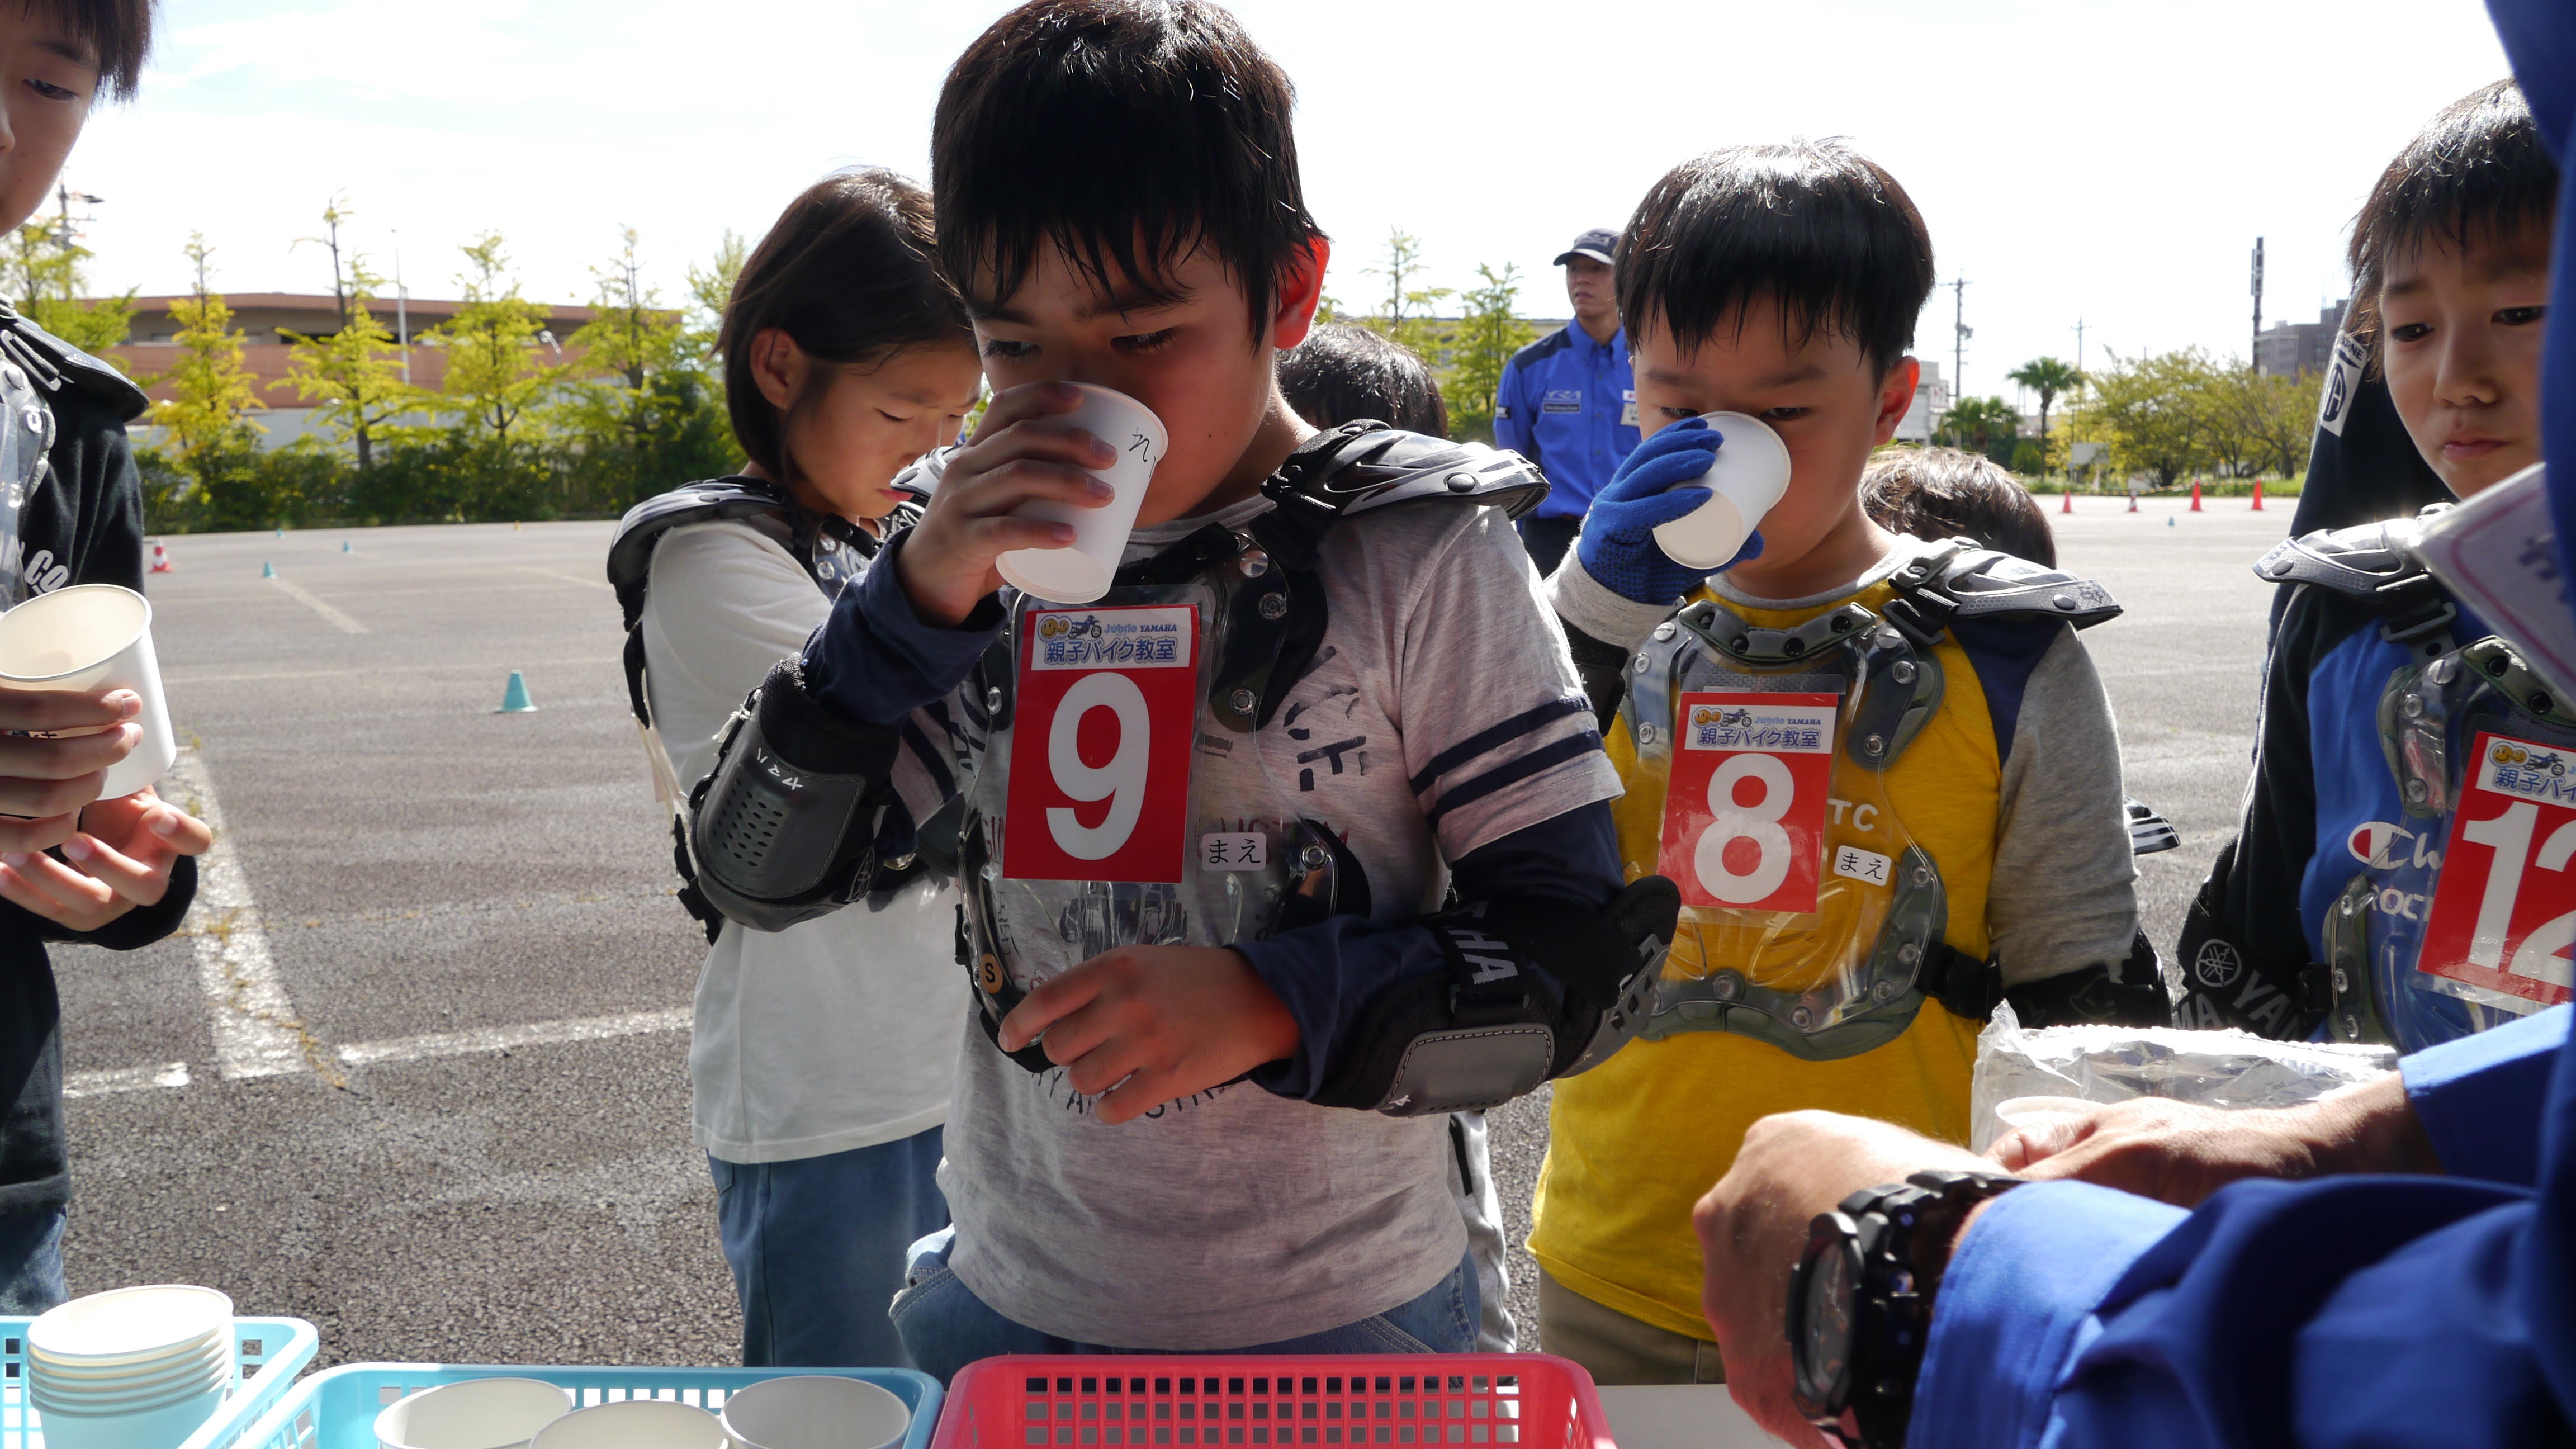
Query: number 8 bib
[1102, 694]
[1744, 821]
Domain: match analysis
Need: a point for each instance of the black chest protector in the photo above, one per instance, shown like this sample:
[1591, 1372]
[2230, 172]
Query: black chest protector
[832, 550]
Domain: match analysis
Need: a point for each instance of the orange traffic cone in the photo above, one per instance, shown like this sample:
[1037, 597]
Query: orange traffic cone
[2069, 505]
[2195, 495]
[160, 558]
[2133, 503]
[2258, 495]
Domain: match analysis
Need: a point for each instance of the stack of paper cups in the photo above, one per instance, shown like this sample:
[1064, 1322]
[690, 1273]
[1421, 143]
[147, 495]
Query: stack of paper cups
[137, 1368]
[94, 637]
[1081, 573]
[1745, 480]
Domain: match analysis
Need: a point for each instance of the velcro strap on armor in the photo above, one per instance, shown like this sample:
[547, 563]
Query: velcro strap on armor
[1967, 986]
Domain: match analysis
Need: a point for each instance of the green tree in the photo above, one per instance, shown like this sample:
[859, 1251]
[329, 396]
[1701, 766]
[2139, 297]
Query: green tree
[45, 274]
[1981, 425]
[1407, 312]
[649, 409]
[353, 376]
[211, 391]
[1482, 342]
[2047, 376]
[2154, 412]
[494, 377]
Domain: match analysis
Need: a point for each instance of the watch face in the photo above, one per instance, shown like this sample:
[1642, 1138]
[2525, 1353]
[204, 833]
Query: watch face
[1820, 1316]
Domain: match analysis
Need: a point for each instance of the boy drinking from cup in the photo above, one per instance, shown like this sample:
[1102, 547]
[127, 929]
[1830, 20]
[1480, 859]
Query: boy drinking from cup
[73, 867]
[1205, 824]
[1881, 767]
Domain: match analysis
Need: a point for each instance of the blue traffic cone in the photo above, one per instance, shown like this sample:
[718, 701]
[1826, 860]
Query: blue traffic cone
[514, 698]
[281, 530]
[2169, 520]
[344, 547]
[267, 570]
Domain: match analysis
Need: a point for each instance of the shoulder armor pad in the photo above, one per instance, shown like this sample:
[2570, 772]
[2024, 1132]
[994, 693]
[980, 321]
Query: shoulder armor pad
[1363, 466]
[2364, 560]
[1979, 583]
[630, 553]
[921, 479]
[51, 363]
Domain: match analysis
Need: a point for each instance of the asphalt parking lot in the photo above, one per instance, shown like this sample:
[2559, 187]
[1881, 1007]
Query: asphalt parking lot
[416, 1068]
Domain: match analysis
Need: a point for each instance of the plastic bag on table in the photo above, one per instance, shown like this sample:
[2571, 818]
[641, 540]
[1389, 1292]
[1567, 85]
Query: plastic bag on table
[2115, 1063]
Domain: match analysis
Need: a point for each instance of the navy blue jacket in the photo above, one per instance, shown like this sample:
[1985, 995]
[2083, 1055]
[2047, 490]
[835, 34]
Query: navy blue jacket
[1569, 404]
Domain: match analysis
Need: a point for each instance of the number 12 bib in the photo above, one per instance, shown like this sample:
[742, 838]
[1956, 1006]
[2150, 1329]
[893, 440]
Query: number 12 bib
[2503, 914]
[1102, 692]
[1744, 816]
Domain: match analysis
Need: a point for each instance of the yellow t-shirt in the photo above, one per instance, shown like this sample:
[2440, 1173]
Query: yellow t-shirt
[1634, 1142]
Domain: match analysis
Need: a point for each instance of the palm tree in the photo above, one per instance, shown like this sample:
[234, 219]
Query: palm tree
[1975, 423]
[2047, 376]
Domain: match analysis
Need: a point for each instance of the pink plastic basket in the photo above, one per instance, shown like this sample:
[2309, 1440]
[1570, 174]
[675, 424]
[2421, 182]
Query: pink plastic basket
[1528, 1400]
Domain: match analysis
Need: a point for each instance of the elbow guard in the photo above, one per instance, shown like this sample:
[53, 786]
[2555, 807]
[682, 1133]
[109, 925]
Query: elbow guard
[784, 828]
[1534, 990]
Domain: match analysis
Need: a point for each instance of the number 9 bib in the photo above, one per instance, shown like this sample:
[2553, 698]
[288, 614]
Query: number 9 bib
[1102, 694]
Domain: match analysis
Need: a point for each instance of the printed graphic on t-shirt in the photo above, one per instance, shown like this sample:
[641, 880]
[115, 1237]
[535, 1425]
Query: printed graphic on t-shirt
[2504, 911]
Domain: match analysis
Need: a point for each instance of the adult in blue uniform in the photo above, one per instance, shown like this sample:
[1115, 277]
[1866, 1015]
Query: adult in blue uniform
[1568, 403]
[2380, 1304]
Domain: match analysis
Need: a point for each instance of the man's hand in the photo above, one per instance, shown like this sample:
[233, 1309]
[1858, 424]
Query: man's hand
[1147, 1024]
[1753, 1227]
[1020, 453]
[55, 750]
[2180, 1153]
[121, 859]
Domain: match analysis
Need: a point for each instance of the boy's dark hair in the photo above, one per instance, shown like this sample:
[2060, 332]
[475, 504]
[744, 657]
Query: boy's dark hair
[1341, 374]
[1938, 493]
[2476, 171]
[848, 270]
[1127, 134]
[117, 33]
[1814, 225]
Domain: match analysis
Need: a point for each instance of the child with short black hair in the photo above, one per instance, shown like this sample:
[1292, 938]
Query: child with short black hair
[2342, 896]
[1343, 374]
[1888, 806]
[1210, 818]
[1938, 493]
[73, 867]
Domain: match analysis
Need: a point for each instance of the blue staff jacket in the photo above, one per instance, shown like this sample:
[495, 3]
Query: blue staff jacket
[1569, 404]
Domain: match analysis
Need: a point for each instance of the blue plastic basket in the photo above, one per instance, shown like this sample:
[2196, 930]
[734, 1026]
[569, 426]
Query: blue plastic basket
[337, 1408]
[271, 1352]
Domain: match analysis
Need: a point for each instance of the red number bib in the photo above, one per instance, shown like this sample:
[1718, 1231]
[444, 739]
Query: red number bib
[1103, 693]
[2504, 914]
[1744, 817]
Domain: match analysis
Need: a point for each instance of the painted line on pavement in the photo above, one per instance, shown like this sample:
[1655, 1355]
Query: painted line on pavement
[256, 1030]
[124, 1079]
[301, 595]
[600, 584]
[503, 1038]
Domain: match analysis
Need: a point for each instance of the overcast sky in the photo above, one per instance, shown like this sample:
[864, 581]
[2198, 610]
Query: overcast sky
[2110, 162]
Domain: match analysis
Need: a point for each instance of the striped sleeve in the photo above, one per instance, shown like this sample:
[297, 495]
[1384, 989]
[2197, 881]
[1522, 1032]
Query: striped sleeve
[1498, 734]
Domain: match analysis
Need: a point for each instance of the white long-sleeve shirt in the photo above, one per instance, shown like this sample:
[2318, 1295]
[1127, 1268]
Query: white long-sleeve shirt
[836, 1034]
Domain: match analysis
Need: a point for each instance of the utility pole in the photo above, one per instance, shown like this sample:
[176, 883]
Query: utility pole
[402, 314]
[63, 233]
[2255, 351]
[1960, 333]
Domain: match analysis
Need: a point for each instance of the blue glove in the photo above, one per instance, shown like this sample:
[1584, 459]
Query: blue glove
[1618, 543]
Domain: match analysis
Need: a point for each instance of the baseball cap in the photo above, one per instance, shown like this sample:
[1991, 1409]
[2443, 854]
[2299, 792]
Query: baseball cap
[1597, 244]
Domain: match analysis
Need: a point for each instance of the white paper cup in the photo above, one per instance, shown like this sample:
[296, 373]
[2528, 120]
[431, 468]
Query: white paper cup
[816, 1411]
[94, 636]
[130, 1325]
[494, 1413]
[1081, 573]
[1746, 480]
[634, 1424]
[46, 1376]
[2015, 1112]
[166, 1427]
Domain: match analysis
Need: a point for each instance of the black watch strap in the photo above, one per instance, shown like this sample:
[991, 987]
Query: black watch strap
[1901, 1235]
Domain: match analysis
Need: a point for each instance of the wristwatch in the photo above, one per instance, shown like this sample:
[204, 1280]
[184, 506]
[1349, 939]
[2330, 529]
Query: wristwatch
[1860, 1302]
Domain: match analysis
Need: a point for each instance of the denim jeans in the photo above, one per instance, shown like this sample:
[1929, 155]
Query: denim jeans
[31, 1260]
[947, 1327]
[817, 1249]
